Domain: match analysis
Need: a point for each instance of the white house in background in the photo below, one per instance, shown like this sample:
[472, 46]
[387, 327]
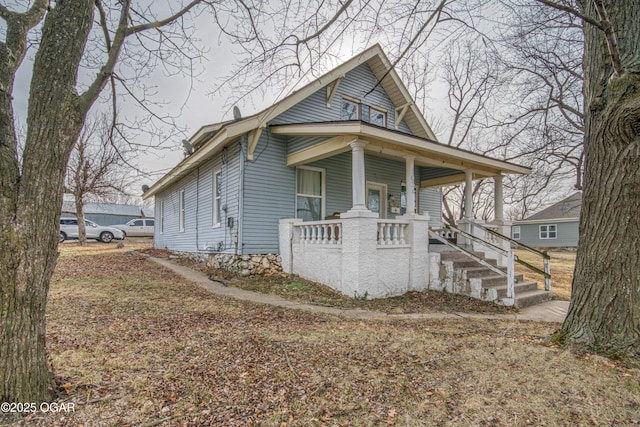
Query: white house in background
[553, 227]
[317, 185]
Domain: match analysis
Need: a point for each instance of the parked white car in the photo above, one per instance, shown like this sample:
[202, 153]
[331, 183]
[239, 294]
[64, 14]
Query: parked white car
[69, 230]
[137, 228]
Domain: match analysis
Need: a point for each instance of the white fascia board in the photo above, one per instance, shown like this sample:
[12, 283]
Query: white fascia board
[545, 221]
[422, 146]
[188, 164]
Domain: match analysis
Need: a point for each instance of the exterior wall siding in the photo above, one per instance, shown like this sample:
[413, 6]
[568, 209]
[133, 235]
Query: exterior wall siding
[431, 173]
[268, 186]
[199, 234]
[377, 169]
[269, 195]
[567, 234]
[431, 202]
[356, 84]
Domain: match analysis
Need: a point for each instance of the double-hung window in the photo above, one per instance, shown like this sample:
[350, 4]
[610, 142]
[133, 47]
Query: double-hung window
[548, 231]
[217, 197]
[310, 193]
[182, 210]
[515, 232]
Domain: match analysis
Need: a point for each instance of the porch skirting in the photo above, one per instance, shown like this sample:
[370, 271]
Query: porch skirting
[359, 255]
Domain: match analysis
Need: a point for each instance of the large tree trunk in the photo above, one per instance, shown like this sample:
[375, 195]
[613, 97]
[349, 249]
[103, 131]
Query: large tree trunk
[605, 304]
[30, 208]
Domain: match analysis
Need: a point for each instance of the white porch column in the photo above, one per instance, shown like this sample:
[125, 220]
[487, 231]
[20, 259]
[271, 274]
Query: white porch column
[466, 223]
[468, 195]
[357, 175]
[504, 227]
[410, 180]
[498, 202]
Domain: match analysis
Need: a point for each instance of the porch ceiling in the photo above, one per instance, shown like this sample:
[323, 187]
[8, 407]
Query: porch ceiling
[393, 145]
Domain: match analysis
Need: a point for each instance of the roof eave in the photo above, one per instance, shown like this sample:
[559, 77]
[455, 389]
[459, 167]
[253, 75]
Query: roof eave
[364, 130]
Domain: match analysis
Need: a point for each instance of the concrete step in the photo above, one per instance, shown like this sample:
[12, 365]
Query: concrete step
[475, 272]
[529, 298]
[456, 256]
[519, 288]
[494, 285]
[499, 280]
[470, 263]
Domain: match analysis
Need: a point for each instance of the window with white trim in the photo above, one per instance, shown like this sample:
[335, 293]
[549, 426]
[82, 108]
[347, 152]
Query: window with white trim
[350, 110]
[548, 231]
[182, 210]
[515, 232]
[377, 117]
[310, 193]
[217, 197]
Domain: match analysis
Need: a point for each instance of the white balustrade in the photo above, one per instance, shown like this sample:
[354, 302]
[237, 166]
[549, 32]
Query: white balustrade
[490, 237]
[391, 232]
[320, 232]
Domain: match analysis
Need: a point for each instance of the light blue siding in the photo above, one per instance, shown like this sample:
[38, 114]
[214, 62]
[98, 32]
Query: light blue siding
[269, 195]
[199, 233]
[567, 234]
[297, 143]
[431, 173]
[356, 84]
[430, 201]
[379, 170]
[258, 193]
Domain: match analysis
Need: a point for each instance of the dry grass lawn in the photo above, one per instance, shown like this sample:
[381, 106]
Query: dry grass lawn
[133, 344]
[562, 265]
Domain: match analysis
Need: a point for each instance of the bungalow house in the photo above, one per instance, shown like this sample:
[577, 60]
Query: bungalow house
[338, 183]
[553, 227]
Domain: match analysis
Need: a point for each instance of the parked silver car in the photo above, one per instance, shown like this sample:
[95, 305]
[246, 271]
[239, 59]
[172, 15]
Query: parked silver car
[137, 227]
[69, 230]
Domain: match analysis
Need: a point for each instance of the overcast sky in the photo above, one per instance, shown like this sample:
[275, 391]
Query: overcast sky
[189, 101]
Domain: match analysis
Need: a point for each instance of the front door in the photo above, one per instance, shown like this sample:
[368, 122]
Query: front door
[377, 198]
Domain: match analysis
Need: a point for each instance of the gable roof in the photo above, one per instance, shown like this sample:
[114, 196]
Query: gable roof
[211, 139]
[567, 209]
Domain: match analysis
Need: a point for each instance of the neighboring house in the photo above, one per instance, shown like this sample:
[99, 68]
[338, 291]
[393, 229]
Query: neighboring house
[555, 226]
[107, 213]
[317, 183]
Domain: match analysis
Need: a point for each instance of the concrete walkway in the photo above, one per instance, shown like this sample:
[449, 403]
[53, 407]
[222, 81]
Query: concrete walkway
[552, 311]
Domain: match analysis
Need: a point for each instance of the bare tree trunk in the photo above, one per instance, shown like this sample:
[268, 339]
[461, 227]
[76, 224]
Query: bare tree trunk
[605, 303]
[30, 212]
[82, 226]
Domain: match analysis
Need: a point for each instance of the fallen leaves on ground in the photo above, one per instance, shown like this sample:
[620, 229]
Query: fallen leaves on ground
[134, 345]
[294, 288]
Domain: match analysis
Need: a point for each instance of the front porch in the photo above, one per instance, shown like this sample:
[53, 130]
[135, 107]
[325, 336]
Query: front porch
[363, 254]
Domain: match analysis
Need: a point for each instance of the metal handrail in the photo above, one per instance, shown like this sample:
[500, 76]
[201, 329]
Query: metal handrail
[509, 274]
[546, 273]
